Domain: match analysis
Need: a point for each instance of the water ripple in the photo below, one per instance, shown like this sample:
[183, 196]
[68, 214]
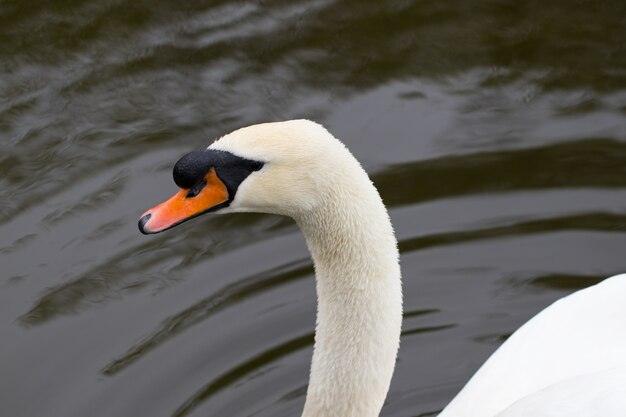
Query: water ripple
[231, 295]
[585, 163]
[245, 368]
[485, 125]
[607, 222]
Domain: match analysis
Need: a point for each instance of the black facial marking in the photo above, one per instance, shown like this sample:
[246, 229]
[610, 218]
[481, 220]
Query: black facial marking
[190, 170]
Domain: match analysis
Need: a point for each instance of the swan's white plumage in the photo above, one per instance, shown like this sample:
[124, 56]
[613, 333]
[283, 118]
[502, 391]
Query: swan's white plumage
[582, 334]
[571, 356]
[312, 177]
[599, 394]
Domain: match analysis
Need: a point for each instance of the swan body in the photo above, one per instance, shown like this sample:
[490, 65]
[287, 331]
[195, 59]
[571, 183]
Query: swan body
[298, 169]
[600, 394]
[575, 349]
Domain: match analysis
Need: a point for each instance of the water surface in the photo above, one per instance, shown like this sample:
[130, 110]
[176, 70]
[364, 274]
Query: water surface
[494, 130]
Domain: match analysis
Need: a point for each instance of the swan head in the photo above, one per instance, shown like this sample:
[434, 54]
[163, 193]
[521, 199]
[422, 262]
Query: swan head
[281, 168]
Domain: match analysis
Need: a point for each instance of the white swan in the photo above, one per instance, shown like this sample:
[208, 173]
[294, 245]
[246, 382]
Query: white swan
[296, 168]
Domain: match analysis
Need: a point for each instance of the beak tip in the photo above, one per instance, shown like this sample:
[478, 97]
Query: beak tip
[142, 223]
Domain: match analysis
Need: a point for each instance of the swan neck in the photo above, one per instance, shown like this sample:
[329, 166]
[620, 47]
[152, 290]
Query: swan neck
[359, 310]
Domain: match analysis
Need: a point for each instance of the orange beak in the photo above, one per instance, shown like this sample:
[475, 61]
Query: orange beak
[182, 207]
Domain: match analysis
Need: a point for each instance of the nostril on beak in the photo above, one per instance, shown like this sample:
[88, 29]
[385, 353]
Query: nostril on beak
[142, 223]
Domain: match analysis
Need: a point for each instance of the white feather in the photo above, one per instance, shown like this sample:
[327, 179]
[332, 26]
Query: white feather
[312, 177]
[569, 360]
[581, 334]
[599, 394]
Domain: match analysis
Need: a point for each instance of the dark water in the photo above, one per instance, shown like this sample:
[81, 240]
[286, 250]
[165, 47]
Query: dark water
[495, 131]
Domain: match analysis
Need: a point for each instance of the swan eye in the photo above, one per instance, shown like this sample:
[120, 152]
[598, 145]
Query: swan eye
[256, 165]
[195, 190]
